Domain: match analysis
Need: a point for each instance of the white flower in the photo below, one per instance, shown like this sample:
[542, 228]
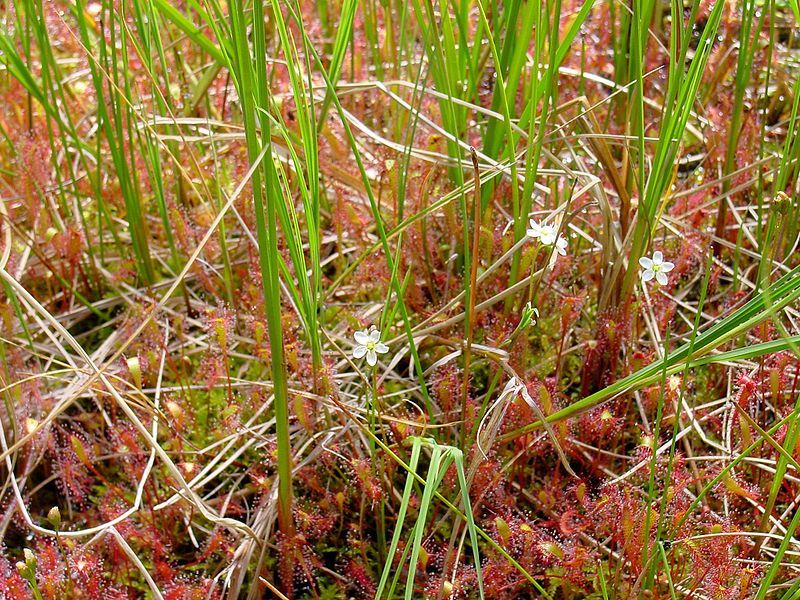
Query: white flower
[656, 267]
[548, 236]
[561, 245]
[369, 342]
[535, 230]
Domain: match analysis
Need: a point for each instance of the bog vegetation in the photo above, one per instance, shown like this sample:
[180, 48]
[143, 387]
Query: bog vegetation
[399, 299]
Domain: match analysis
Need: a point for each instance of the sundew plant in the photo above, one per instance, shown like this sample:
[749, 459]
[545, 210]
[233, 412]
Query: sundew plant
[411, 299]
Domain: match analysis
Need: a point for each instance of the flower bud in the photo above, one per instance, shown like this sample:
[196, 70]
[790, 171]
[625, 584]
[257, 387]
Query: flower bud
[30, 559]
[174, 409]
[54, 516]
[136, 371]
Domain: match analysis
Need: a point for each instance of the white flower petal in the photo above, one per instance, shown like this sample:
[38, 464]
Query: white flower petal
[645, 262]
[375, 335]
[648, 275]
[548, 235]
[372, 358]
[381, 348]
[362, 337]
[359, 351]
[535, 229]
[658, 258]
[666, 267]
[661, 278]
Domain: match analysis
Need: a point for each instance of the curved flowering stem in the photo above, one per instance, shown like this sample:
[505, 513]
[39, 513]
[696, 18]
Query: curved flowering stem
[471, 293]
